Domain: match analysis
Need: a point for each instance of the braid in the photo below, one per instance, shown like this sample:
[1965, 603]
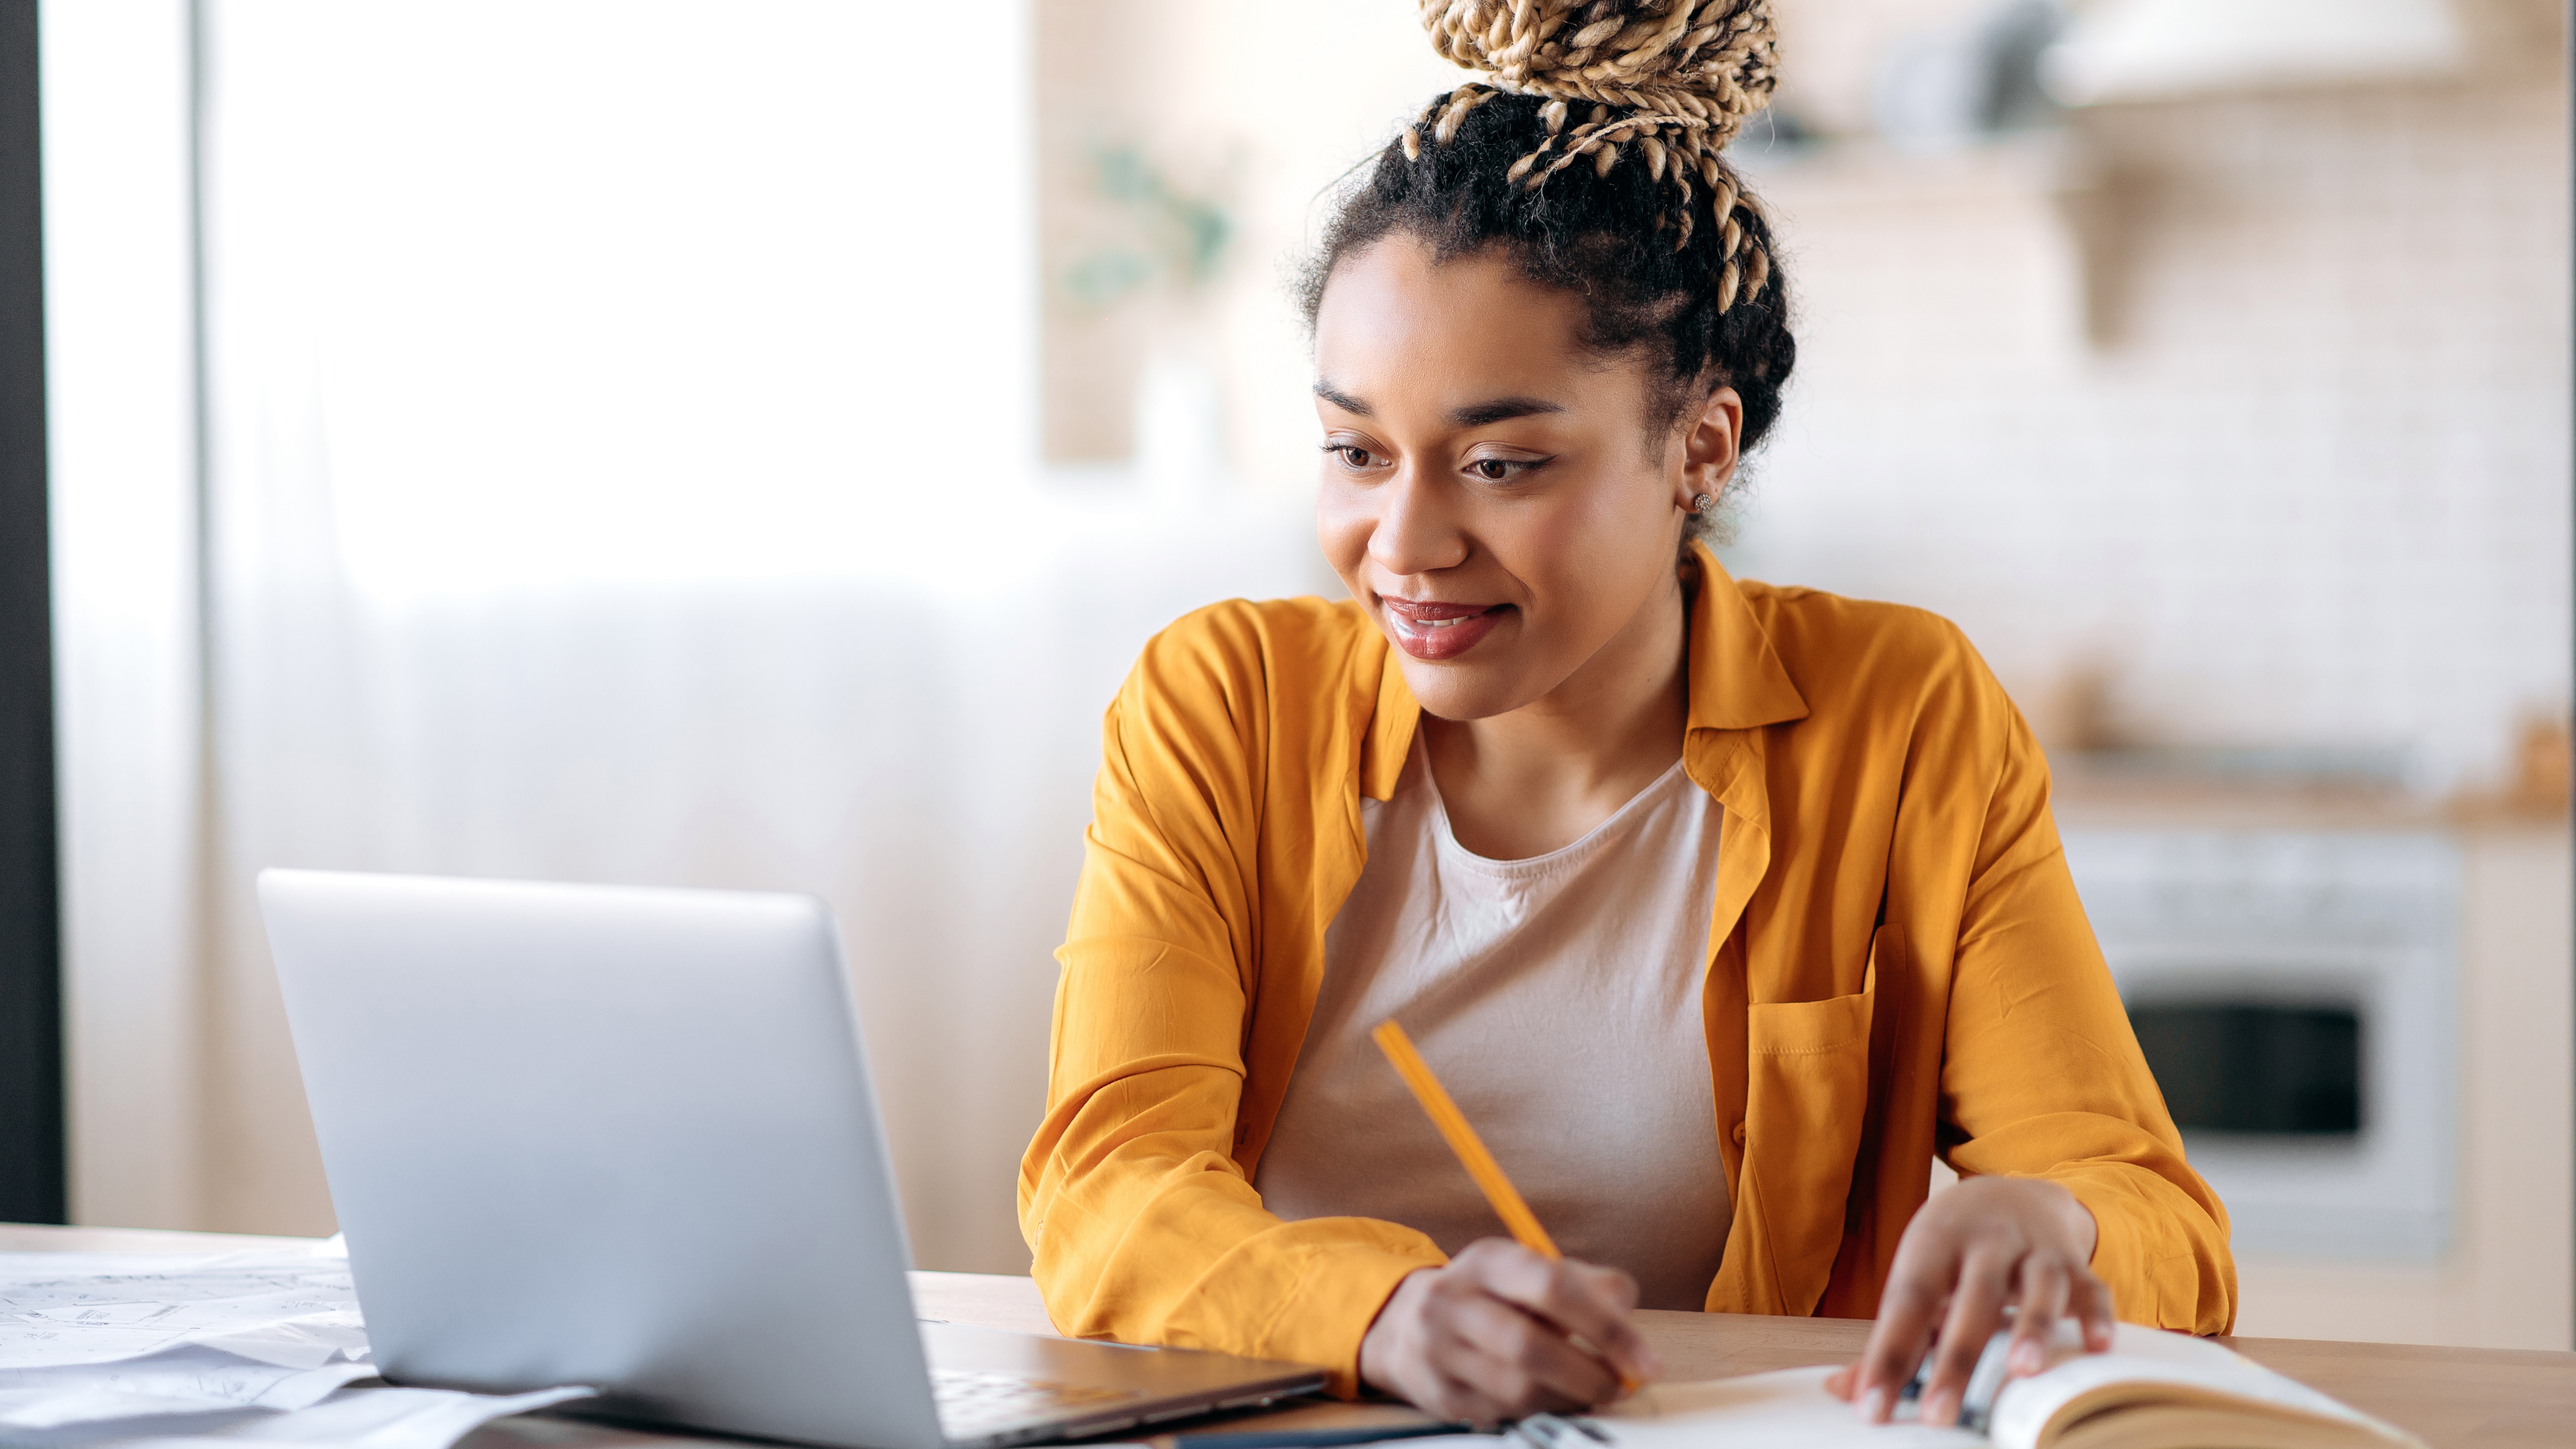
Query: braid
[1672, 79]
[1671, 251]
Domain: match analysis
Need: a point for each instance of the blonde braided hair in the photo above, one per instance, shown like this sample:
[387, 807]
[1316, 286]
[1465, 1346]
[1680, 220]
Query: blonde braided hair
[1673, 79]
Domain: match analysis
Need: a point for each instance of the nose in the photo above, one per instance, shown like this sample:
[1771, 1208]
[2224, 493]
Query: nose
[1416, 530]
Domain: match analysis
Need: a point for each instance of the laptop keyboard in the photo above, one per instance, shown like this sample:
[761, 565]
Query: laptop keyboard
[971, 1402]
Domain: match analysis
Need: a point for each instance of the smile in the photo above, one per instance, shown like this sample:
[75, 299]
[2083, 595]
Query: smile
[1434, 631]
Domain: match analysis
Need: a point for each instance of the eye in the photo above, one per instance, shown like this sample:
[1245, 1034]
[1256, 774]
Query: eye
[1499, 470]
[1350, 455]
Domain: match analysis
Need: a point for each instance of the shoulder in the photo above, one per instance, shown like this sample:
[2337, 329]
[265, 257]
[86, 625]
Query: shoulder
[1246, 667]
[1262, 645]
[1846, 655]
[1238, 702]
[1819, 626]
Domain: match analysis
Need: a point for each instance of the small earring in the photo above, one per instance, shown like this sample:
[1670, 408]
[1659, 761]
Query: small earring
[1703, 502]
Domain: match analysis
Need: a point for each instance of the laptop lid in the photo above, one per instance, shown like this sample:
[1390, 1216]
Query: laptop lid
[606, 1136]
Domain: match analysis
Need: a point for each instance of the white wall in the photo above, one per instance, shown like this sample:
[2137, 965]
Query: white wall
[2308, 482]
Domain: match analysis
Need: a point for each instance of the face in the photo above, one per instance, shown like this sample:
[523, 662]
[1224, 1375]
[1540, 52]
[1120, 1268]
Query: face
[1490, 494]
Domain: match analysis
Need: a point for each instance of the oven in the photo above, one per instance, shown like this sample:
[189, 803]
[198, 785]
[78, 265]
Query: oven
[2295, 994]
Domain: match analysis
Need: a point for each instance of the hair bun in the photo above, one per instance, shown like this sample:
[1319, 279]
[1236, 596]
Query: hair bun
[1707, 64]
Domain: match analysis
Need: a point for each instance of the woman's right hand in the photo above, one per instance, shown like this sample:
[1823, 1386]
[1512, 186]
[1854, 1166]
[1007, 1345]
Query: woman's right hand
[1494, 1336]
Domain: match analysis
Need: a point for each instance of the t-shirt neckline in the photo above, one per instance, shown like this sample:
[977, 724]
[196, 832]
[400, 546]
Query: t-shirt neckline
[1445, 835]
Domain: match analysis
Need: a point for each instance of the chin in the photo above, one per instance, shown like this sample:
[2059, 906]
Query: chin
[1462, 690]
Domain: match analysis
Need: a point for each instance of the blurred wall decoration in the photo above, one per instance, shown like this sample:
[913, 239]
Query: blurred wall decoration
[641, 449]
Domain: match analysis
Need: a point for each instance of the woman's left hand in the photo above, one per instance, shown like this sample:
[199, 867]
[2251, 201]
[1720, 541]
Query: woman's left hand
[1973, 1250]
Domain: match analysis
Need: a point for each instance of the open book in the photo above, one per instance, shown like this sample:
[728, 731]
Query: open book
[2151, 1391]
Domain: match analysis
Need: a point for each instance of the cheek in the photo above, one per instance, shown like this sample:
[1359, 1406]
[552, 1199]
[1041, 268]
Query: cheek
[1596, 538]
[1342, 526]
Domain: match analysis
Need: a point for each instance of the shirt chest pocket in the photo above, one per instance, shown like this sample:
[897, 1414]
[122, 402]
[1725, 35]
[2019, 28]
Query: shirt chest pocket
[1806, 1108]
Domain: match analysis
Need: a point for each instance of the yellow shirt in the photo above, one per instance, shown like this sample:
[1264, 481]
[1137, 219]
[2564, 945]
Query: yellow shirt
[1898, 965]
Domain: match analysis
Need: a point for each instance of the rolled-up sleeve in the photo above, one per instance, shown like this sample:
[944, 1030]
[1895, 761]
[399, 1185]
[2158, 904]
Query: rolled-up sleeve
[2042, 1076]
[1143, 1225]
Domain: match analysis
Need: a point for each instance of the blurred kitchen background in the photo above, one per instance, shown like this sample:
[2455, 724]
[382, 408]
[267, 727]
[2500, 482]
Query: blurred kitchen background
[745, 446]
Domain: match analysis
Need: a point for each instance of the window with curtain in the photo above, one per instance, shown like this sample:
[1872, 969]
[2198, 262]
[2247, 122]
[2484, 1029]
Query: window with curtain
[620, 466]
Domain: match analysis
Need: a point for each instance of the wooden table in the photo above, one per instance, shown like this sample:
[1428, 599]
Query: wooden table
[2455, 1398]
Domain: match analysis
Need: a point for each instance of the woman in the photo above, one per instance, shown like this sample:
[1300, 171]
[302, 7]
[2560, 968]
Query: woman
[1721, 908]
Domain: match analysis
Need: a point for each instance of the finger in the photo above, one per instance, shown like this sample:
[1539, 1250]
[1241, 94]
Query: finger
[1458, 1370]
[2044, 1288]
[1461, 1400]
[1429, 1371]
[1531, 1358]
[1624, 1344]
[1976, 1307]
[1840, 1382]
[1499, 1389]
[1579, 1298]
[1617, 1282]
[1896, 1342]
[2089, 1300]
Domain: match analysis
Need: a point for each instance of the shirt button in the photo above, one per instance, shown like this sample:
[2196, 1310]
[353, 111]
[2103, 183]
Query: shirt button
[1739, 1134]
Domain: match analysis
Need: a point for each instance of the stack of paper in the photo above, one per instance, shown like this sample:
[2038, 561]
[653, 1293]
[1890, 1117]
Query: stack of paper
[100, 1349]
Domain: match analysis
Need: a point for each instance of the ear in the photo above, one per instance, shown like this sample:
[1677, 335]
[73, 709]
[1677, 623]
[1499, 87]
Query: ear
[1709, 447]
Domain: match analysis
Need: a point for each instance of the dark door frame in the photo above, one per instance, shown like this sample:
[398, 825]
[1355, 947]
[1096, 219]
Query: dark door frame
[33, 1175]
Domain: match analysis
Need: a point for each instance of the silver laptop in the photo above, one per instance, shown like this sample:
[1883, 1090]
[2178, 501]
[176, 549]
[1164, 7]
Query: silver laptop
[626, 1138]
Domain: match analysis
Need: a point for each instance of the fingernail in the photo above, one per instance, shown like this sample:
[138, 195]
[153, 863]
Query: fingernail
[2028, 1357]
[1939, 1410]
[1876, 1405]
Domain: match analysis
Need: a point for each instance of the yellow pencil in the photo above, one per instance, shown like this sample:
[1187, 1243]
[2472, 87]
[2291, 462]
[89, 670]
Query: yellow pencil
[1480, 1164]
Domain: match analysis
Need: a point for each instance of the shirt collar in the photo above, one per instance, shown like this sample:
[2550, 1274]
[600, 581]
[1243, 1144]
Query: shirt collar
[1736, 679]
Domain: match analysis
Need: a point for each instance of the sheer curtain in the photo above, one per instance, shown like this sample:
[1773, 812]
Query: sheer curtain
[622, 470]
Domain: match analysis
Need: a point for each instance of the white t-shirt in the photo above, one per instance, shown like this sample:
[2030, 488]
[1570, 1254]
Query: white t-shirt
[1558, 999]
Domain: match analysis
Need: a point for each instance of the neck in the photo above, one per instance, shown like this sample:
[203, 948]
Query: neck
[1540, 777]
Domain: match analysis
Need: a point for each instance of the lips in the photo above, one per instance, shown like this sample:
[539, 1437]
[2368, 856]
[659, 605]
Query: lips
[1433, 630]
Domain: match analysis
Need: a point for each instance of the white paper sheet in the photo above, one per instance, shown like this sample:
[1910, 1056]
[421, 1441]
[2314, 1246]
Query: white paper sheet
[104, 1350]
[368, 1418]
[290, 1309]
[188, 1380]
[1788, 1409]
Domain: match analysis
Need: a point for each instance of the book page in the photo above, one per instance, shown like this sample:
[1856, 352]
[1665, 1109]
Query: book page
[2151, 1356]
[1788, 1409]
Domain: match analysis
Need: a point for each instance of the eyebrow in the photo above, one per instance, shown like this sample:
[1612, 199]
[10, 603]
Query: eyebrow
[1475, 415]
[1342, 400]
[1502, 409]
